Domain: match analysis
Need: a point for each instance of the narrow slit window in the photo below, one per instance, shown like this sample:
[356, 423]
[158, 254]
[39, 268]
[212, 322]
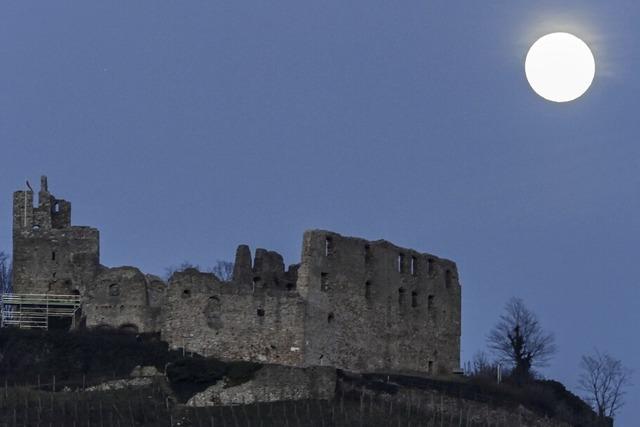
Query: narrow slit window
[414, 265]
[367, 289]
[430, 302]
[400, 262]
[53, 255]
[330, 318]
[414, 299]
[430, 367]
[367, 254]
[328, 246]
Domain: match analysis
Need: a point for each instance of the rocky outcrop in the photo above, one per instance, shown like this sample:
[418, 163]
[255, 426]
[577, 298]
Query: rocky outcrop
[271, 383]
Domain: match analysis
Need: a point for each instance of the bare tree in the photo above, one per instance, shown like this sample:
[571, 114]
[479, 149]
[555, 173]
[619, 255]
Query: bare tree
[518, 339]
[604, 380]
[5, 273]
[168, 272]
[223, 270]
[482, 366]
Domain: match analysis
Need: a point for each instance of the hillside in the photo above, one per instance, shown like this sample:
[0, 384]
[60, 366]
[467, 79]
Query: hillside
[94, 378]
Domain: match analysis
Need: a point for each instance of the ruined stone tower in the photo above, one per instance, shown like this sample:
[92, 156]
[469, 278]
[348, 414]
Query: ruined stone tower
[350, 303]
[49, 254]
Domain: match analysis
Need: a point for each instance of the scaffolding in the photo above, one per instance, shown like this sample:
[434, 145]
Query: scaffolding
[34, 311]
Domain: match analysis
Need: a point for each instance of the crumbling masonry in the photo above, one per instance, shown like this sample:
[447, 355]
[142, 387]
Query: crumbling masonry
[350, 303]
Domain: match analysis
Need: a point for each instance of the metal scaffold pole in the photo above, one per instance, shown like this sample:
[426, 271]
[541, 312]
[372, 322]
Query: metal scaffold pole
[33, 311]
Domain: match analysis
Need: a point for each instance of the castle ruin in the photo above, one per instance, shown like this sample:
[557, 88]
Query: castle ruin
[350, 303]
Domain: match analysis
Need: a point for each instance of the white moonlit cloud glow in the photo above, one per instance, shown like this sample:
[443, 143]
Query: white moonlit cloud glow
[560, 67]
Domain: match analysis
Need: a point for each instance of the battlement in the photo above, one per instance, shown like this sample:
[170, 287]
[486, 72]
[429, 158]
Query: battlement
[350, 303]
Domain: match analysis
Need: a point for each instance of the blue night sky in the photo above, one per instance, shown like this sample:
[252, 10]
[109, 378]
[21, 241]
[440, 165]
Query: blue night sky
[181, 129]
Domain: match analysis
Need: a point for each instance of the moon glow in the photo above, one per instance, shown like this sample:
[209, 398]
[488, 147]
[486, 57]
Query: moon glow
[560, 67]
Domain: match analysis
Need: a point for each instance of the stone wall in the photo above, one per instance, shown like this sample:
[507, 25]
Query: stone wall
[124, 298]
[375, 306]
[266, 272]
[233, 321]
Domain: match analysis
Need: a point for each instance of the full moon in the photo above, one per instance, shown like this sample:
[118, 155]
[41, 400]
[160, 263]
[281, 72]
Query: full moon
[560, 67]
